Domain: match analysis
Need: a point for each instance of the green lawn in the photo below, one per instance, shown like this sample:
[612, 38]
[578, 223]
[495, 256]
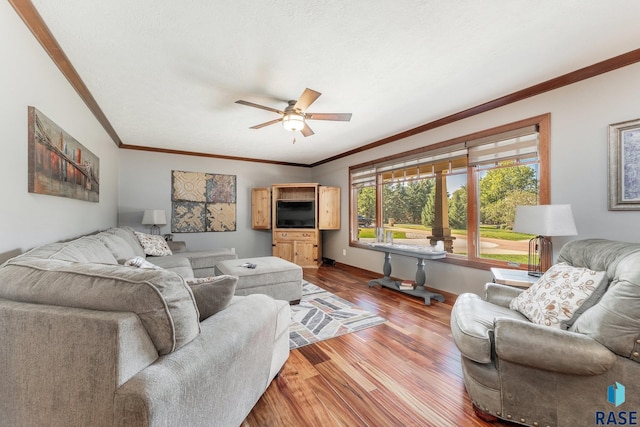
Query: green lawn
[370, 233]
[489, 231]
[485, 231]
[497, 233]
[520, 259]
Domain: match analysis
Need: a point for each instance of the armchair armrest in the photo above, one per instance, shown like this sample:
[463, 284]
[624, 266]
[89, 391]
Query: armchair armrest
[500, 294]
[555, 350]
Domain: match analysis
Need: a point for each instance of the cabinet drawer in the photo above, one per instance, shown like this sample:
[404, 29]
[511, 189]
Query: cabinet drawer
[294, 235]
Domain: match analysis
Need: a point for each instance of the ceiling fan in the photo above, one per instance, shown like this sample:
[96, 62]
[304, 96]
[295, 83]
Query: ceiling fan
[294, 116]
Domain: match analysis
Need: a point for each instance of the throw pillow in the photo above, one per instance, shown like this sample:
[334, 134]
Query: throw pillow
[140, 262]
[558, 294]
[153, 245]
[212, 294]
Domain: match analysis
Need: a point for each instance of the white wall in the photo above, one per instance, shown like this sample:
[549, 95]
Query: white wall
[580, 115]
[145, 183]
[29, 77]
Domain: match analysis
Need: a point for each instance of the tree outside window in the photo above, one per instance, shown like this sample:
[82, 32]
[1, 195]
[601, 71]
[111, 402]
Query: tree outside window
[504, 171]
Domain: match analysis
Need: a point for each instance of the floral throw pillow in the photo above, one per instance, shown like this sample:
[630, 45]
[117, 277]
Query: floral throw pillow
[558, 294]
[153, 245]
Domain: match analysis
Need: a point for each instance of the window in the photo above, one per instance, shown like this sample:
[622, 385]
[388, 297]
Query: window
[462, 191]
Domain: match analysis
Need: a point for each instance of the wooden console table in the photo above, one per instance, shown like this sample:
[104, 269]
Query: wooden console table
[410, 251]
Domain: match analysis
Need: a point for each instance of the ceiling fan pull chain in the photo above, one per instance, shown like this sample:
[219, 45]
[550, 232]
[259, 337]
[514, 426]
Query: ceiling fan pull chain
[294, 139]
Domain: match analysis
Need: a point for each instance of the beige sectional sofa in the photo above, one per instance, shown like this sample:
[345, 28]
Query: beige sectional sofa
[88, 341]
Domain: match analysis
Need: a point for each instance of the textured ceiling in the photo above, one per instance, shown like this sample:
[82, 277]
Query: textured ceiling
[166, 73]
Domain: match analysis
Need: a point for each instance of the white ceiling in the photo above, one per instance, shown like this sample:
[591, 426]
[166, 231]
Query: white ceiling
[166, 73]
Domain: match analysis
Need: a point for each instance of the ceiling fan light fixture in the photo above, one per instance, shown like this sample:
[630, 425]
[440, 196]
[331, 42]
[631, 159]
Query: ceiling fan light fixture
[293, 122]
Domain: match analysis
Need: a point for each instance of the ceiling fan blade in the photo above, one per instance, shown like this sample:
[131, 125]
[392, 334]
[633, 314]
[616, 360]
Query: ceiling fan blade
[341, 117]
[262, 107]
[306, 130]
[261, 125]
[307, 98]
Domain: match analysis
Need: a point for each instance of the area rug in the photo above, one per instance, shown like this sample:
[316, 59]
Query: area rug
[322, 315]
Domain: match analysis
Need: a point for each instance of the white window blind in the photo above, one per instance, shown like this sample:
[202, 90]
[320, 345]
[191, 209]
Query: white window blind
[518, 144]
[419, 166]
[365, 177]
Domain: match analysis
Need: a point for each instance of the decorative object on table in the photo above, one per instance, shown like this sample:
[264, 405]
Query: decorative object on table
[322, 315]
[543, 221]
[202, 202]
[58, 164]
[154, 218]
[624, 166]
[407, 284]
[388, 237]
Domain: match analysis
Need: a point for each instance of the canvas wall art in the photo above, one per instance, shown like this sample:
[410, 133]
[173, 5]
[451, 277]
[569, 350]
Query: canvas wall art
[58, 164]
[624, 165]
[202, 202]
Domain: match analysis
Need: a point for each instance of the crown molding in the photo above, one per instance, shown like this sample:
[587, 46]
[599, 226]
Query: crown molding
[36, 25]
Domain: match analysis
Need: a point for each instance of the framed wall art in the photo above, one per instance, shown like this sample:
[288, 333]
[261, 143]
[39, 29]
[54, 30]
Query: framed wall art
[202, 202]
[59, 165]
[624, 165]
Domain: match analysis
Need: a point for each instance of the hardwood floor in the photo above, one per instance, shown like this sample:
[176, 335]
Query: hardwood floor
[405, 372]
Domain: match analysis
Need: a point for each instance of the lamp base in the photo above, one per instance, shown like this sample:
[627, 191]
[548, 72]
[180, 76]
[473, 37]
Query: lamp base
[540, 249]
[155, 230]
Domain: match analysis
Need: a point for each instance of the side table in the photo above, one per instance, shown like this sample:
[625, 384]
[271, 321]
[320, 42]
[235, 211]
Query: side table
[518, 278]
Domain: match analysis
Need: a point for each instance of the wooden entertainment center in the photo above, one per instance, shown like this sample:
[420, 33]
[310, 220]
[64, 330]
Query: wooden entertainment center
[296, 214]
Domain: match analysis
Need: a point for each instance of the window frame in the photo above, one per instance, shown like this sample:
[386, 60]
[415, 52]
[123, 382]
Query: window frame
[543, 123]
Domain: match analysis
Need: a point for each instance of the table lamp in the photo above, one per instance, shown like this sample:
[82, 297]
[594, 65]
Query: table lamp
[543, 221]
[154, 217]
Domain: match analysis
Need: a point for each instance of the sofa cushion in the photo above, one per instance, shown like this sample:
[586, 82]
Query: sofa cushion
[212, 294]
[160, 298]
[119, 247]
[179, 265]
[558, 294]
[597, 254]
[153, 245]
[615, 320]
[127, 233]
[83, 249]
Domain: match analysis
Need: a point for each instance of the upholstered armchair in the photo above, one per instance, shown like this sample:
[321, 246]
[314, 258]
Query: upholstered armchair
[577, 362]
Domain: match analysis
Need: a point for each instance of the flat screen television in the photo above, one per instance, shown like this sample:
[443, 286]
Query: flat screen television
[295, 214]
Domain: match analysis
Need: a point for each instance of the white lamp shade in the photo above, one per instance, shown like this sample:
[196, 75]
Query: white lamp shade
[545, 220]
[154, 217]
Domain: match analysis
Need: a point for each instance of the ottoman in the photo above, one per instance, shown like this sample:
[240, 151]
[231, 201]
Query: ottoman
[273, 276]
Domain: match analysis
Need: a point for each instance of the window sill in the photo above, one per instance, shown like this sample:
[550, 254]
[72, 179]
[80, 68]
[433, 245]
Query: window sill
[457, 260]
